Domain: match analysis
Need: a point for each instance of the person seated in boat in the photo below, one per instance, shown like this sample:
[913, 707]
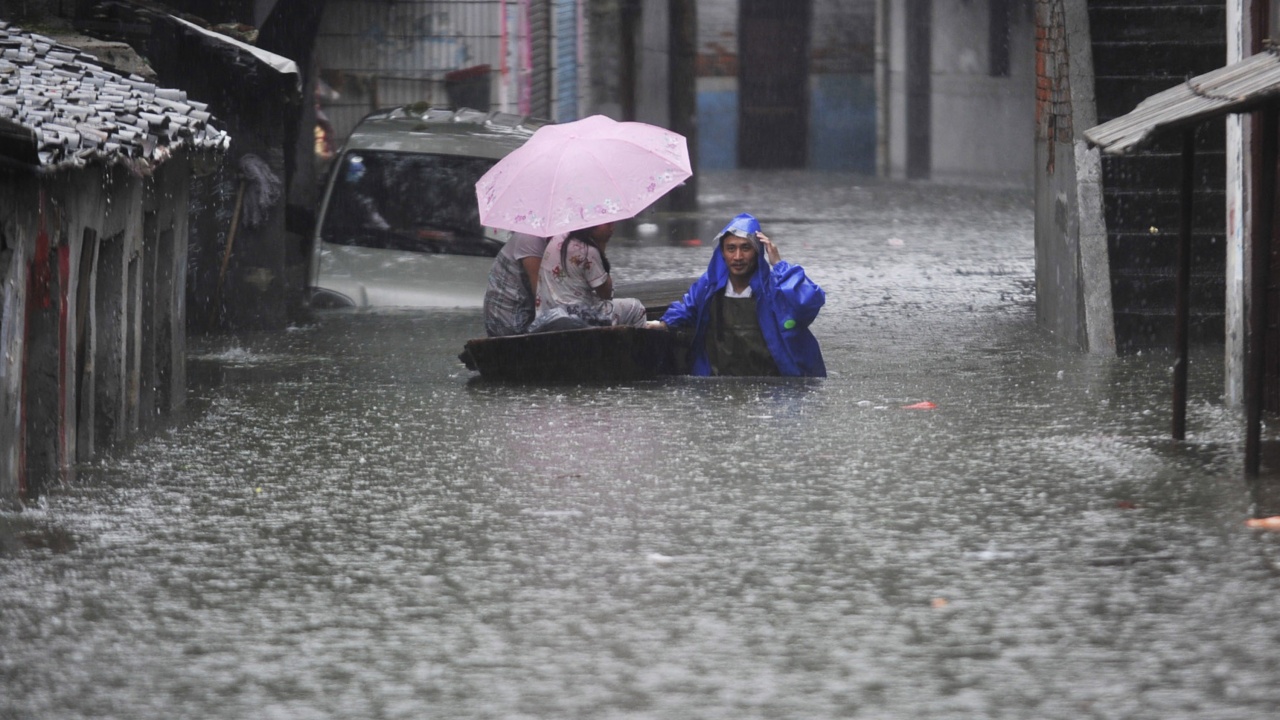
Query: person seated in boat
[509, 306]
[575, 288]
[750, 315]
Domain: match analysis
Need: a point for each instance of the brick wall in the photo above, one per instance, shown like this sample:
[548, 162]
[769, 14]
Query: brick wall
[1053, 89]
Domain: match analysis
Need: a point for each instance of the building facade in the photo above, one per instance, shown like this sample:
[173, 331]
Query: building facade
[519, 56]
[95, 170]
[957, 88]
[824, 87]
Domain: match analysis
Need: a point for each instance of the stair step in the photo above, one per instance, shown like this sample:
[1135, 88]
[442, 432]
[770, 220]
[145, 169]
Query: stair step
[1162, 59]
[1157, 22]
[1137, 212]
[1130, 293]
[1156, 169]
[1146, 331]
[1140, 49]
[1145, 253]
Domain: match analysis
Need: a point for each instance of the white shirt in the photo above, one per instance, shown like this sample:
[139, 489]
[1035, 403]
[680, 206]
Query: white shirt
[573, 284]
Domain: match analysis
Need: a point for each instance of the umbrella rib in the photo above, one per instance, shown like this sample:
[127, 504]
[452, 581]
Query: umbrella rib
[556, 176]
[612, 180]
[555, 186]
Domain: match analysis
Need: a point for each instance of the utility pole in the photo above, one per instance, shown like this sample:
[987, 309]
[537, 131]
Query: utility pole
[683, 92]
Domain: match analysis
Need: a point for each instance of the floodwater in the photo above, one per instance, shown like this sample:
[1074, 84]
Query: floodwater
[346, 525]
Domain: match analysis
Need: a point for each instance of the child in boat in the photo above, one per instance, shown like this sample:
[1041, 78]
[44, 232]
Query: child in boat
[574, 281]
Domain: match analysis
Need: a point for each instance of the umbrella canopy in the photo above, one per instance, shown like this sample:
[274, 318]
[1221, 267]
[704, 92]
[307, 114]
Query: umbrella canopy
[579, 174]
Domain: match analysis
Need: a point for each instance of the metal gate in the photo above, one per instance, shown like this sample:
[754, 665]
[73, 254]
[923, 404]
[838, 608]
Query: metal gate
[497, 54]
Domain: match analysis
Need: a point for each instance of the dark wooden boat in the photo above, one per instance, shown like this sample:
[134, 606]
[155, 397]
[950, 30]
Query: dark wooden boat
[597, 354]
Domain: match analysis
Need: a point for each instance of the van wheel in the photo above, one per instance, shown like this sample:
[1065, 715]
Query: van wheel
[322, 299]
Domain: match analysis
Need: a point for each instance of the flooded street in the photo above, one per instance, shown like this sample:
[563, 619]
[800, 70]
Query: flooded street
[347, 525]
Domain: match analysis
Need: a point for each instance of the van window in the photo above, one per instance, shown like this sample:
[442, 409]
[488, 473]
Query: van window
[408, 201]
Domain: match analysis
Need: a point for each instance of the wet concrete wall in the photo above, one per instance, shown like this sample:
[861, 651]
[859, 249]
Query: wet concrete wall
[92, 316]
[968, 119]
[653, 75]
[12, 286]
[1107, 227]
[1073, 285]
[842, 103]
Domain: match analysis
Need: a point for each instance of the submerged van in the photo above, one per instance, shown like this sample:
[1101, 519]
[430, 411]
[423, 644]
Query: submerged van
[398, 224]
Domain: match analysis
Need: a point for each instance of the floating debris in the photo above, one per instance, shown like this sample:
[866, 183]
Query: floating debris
[1267, 523]
[924, 405]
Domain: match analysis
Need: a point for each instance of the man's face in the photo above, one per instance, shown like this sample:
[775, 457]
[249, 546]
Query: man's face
[739, 255]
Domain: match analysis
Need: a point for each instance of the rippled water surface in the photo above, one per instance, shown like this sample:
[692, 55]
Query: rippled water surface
[347, 525]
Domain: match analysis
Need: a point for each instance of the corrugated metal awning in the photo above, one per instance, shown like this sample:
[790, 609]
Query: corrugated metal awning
[276, 62]
[1238, 87]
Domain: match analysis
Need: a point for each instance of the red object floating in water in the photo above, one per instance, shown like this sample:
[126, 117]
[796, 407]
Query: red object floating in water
[1266, 523]
[691, 242]
[926, 405]
[1126, 505]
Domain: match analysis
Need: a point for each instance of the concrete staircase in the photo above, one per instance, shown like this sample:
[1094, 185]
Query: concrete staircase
[1141, 47]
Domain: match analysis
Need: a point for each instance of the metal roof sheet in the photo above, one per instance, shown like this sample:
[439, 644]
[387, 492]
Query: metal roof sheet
[279, 63]
[1238, 87]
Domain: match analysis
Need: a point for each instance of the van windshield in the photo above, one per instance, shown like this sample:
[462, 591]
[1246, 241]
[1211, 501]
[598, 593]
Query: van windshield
[408, 201]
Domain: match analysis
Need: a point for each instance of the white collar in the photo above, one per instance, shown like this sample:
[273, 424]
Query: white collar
[729, 292]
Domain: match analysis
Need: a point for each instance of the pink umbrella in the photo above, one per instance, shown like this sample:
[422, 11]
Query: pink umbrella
[579, 174]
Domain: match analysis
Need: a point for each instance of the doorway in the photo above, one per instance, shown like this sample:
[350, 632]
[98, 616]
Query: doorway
[773, 83]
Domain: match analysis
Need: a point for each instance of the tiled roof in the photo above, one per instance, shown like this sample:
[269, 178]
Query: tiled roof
[60, 108]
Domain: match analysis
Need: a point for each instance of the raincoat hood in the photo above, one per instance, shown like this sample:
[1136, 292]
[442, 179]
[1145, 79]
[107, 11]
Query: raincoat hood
[743, 226]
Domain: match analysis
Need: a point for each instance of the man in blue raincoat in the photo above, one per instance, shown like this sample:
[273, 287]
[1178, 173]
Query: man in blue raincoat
[750, 315]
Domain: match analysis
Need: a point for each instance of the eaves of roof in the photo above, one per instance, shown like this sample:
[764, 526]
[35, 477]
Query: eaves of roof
[61, 108]
[278, 63]
[1239, 87]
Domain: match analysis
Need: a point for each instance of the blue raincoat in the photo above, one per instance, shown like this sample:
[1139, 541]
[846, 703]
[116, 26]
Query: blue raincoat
[786, 303]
